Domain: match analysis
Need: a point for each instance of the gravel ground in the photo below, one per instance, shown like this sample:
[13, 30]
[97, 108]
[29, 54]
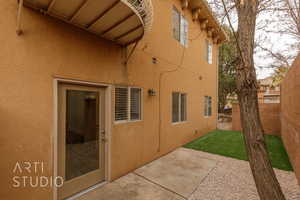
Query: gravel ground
[231, 179]
[187, 174]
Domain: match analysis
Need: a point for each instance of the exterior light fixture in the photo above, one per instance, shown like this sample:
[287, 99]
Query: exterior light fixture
[151, 92]
[154, 60]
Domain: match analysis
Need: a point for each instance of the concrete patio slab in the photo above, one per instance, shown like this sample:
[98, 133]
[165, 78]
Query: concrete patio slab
[187, 174]
[180, 171]
[130, 187]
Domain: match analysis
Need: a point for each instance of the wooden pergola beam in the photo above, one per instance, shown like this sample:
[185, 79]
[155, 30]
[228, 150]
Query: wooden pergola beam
[128, 32]
[117, 23]
[196, 13]
[216, 39]
[102, 14]
[203, 24]
[77, 12]
[184, 4]
[210, 32]
[51, 4]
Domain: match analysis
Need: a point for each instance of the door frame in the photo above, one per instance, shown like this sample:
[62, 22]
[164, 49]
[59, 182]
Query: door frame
[108, 128]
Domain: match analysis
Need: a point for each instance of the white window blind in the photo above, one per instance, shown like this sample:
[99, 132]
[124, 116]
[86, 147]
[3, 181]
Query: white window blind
[121, 103]
[128, 103]
[135, 103]
[179, 106]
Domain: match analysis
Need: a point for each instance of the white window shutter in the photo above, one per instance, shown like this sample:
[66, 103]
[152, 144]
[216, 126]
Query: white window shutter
[182, 30]
[176, 24]
[210, 53]
[186, 32]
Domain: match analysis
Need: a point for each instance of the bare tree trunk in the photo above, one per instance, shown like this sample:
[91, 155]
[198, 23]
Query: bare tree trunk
[267, 185]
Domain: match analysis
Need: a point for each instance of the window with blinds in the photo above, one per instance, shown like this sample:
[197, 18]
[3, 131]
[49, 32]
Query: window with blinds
[207, 106]
[128, 104]
[180, 27]
[179, 107]
[121, 104]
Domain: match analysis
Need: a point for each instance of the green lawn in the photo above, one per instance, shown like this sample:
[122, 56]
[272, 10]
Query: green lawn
[231, 144]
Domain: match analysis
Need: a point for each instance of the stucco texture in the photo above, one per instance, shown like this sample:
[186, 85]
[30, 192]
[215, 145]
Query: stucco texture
[269, 115]
[290, 115]
[51, 49]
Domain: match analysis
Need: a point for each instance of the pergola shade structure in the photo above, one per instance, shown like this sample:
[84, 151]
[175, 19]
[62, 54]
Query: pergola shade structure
[121, 21]
[208, 22]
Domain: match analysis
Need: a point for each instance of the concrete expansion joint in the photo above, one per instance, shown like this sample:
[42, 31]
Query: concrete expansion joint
[210, 171]
[160, 185]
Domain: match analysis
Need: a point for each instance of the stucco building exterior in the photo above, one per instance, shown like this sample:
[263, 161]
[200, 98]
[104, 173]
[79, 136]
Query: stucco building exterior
[290, 114]
[90, 91]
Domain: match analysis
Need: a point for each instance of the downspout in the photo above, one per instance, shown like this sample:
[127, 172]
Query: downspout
[19, 29]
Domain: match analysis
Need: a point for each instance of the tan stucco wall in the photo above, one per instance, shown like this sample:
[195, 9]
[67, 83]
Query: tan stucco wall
[50, 49]
[269, 115]
[290, 115]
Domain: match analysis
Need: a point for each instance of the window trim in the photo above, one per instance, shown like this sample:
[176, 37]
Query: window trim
[129, 120]
[182, 23]
[141, 105]
[206, 106]
[180, 121]
[209, 52]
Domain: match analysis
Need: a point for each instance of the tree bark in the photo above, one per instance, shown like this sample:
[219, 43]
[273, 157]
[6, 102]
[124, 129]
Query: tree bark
[266, 182]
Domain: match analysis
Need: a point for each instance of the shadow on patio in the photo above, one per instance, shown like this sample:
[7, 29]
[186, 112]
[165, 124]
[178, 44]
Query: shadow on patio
[193, 175]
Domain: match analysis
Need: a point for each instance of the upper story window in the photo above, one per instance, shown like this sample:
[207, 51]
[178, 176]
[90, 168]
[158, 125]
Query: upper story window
[207, 106]
[128, 104]
[209, 53]
[180, 27]
[179, 102]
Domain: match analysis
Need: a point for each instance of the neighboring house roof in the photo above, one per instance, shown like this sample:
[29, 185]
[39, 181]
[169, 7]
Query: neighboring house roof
[266, 81]
[272, 93]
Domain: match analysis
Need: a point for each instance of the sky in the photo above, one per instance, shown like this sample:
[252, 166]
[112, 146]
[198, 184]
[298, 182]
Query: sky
[273, 41]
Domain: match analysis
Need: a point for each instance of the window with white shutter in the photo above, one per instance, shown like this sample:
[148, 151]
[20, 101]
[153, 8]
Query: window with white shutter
[209, 53]
[176, 24]
[121, 103]
[207, 106]
[184, 31]
[179, 107]
[128, 104]
[135, 103]
[180, 27]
